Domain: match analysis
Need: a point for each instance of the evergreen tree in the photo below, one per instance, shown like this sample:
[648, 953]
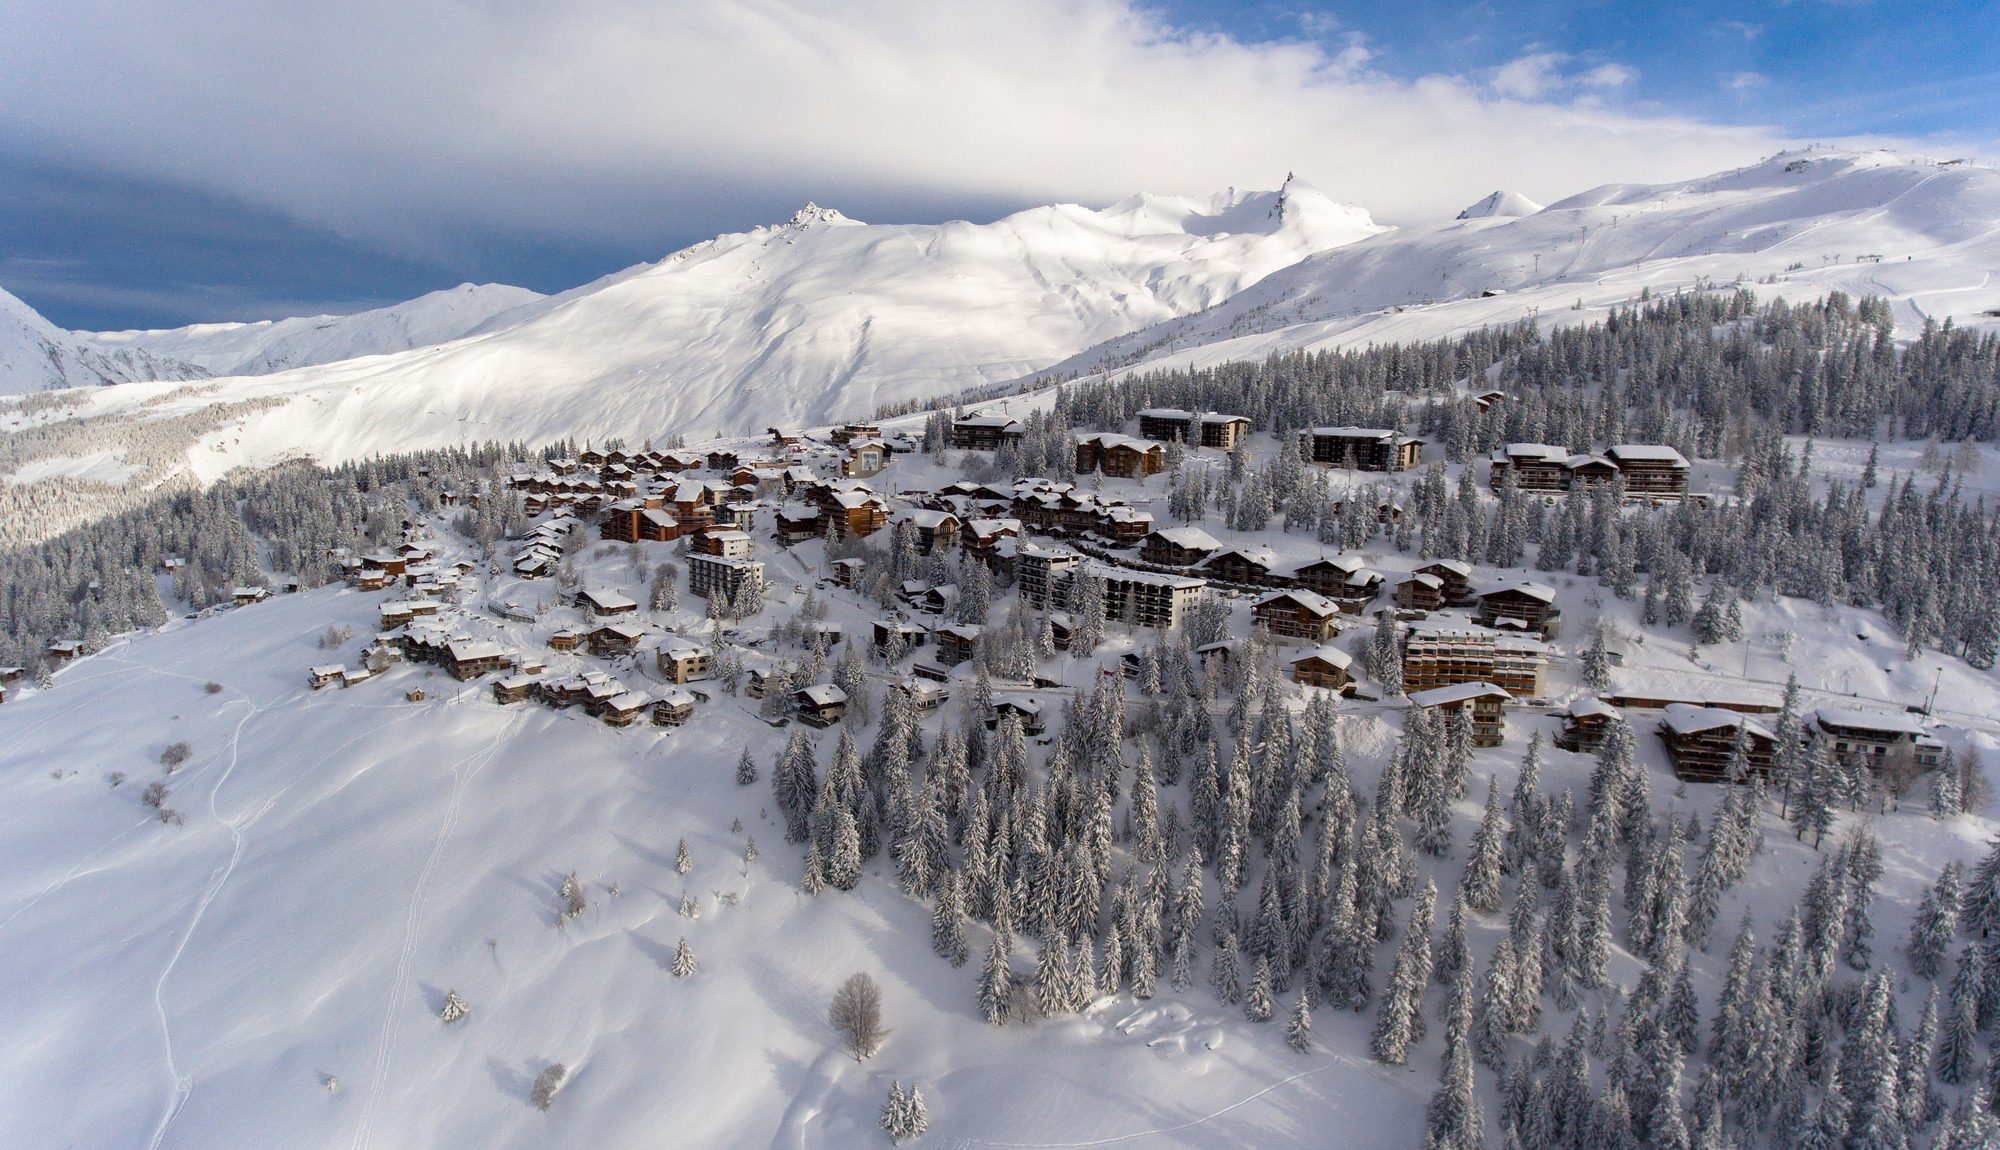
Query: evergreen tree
[1481, 884]
[996, 981]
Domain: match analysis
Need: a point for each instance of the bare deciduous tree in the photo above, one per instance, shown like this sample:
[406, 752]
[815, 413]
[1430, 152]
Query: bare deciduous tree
[856, 1014]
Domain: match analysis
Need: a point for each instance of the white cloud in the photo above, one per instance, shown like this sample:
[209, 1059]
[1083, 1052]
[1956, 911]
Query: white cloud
[1743, 81]
[1608, 76]
[1530, 77]
[413, 124]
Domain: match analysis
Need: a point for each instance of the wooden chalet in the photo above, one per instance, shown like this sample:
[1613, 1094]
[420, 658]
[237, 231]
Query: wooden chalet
[982, 534]
[913, 635]
[1650, 470]
[1525, 606]
[1420, 593]
[848, 433]
[471, 658]
[565, 640]
[674, 707]
[616, 639]
[1026, 708]
[244, 596]
[956, 642]
[1208, 429]
[1585, 723]
[1701, 741]
[1486, 701]
[855, 512]
[1178, 547]
[1441, 652]
[1120, 456]
[1455, 579]
[1362, 448]
[605, 603]
[323, 676]
[1247, 566]
[927, 694]
[515, 688]
[723, 542]
[848, 573]
[986, 432]
[624, 709]
[798, 522]
[938, 600]
[1297, 614]
[1344, 580]
[1532, 467]
[1324, 666]
[934, 529]
[820, 705]
[63, 650]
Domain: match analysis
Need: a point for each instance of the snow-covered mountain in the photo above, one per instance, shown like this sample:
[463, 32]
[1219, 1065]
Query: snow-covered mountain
[1923, 234]
[1501, 203]
[275, 345]
[36, 355]
[818, 318]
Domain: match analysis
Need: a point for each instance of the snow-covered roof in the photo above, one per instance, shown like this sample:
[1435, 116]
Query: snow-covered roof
[925, 517]
[610, 600]
[1691, 719]
[1190, 538]
[1165, 413]
[1457, 693]
[1451, 565]
[326, 671]
[824, 695]
[1354, 432]
[629, 701]
[1332, 655]
[1885, 721]
[1532, 590]
[1107, 440]
[462, 650]
[1431, 581]
[1311, 600]
[676, 696]
[1590, 706]
[676, 647]
[1112, 574]
[1535, 452]
[1648, 452]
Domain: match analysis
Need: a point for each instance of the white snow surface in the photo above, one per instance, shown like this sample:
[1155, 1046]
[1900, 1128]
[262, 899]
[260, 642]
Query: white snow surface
[36, 355]
[1924, 235]
[301, 341]
[348, 857]
[1501, 203]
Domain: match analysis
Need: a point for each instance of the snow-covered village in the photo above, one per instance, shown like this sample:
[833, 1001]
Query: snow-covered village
[1206, 671]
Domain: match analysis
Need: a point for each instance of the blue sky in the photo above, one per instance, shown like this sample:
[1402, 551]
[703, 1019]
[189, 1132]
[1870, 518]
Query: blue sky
[171, 161]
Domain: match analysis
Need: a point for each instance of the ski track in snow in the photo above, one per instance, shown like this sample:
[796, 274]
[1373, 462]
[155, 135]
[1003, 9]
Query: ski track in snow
[184, 1083]
[807, 1104]
[1163, 1130]
[398, 989]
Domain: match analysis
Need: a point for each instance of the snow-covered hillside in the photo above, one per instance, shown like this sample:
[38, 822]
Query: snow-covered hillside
[274, 345]
[816, 319]
[1923, 234]
[36, 355]
[1501, 203]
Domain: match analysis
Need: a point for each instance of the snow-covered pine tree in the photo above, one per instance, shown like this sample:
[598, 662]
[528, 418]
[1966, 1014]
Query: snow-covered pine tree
[684, 965]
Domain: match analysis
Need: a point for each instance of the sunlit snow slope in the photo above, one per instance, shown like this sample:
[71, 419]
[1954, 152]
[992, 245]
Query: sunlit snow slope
[36, 355]
[274, 345]
[1924, 234]
[817, 319]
